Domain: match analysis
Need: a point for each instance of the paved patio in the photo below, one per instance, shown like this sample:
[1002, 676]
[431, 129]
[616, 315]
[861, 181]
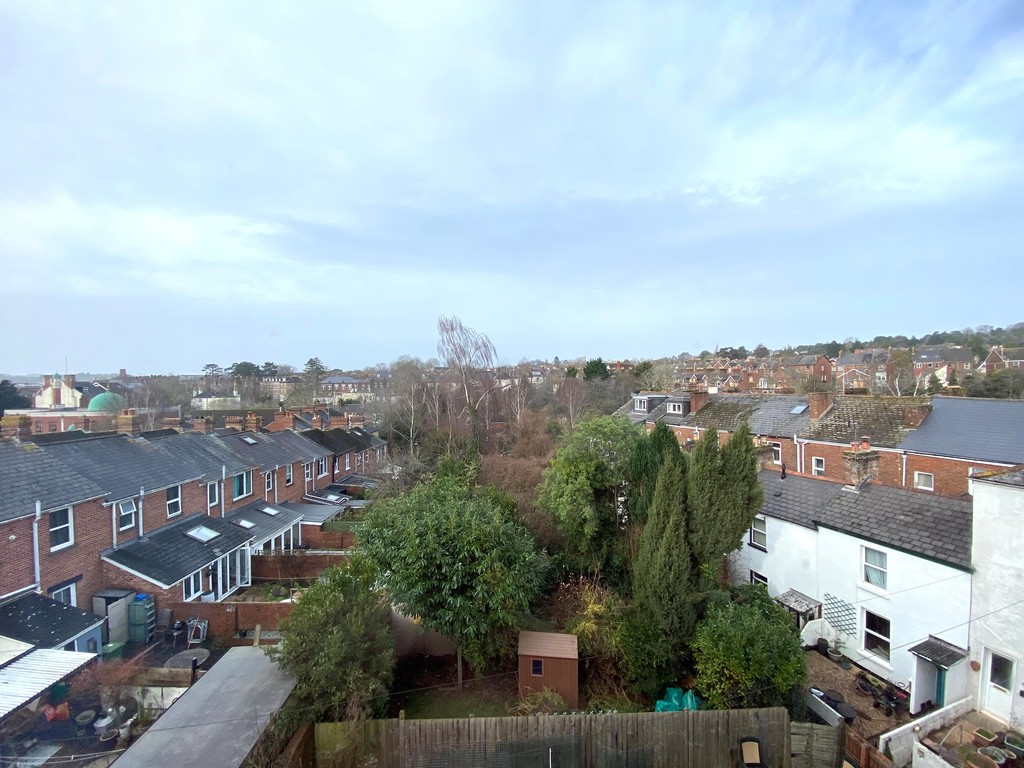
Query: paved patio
[955, 742]
[829, 676]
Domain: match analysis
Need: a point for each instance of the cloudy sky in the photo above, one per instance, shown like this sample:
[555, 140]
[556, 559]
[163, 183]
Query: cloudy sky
[213, 182]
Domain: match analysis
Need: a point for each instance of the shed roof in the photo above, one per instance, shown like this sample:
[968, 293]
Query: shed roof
[43, 621]
[27, 677]
[554, 645]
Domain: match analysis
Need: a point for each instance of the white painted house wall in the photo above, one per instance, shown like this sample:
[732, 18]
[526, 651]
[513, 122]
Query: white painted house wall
[998, 624]
[789, 563]
[921, 598]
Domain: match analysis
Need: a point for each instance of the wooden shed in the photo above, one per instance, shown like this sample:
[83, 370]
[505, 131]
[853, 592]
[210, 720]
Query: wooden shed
[550, 660]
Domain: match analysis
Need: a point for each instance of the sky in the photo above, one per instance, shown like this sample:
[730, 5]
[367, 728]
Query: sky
[187, 183]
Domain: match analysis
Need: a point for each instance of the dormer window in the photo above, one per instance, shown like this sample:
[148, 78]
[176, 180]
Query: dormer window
[675, 408]
[640, 404]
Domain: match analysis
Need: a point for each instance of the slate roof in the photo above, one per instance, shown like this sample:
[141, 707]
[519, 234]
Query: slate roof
[44, 622]
[942, 354]
[766, 414]
[864, 357]
[1015, 478]
[120, 464]
[939, 652]
[267, 525]
[207, 455]
[273, 449]
[28, 474]
[797, 500]
[314, 514]
[170, 554]
[920, 523]
[851, 417]
[971, 428]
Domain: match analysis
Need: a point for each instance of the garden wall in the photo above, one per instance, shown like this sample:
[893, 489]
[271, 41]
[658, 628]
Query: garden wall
[314, 537]
[301, 564]
[226, 619]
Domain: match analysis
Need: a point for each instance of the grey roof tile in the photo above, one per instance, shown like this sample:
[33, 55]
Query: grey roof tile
[765, 414]
[798, 500]
[265, 524]
[28, 474]
[971, 428]
[44, 622]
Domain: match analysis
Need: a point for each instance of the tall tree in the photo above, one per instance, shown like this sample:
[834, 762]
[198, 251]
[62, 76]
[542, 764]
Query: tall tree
[584, 487]
[595, 369]
[457, 560]
[337, 643]
[11, 398]
[574, 396]
[645, 461]
[405, 402]
[466, 351]
[268, 369]
[244, 370]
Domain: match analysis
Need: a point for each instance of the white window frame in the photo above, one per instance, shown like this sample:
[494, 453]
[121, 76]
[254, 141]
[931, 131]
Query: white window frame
[762, 383]
[675, 408]
[121, 513]
[307, 470]
[348, 461]
[212, 494]
[880, 570]
[192, 586]
[288, 479]
[919, 481]
[268, 481]
[759, 532]
[640, 404]
[776, 453]
[71, 595]
[69, 526]
[321, 466]
[246, 485]
[758, 578]
[818, 466]
[174, 503]
[885, 655]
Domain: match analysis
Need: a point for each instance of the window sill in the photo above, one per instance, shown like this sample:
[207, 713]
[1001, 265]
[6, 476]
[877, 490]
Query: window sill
[866, 655]
[243, 496]
[172, 514]
[758, 547]
[124, 528]
[873, 589]
[60, 547]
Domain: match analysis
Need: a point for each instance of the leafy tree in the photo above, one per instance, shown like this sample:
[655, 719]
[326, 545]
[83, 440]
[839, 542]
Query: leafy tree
[571, 372]
[212, 371]
[662, 583]
[934, 385]
[10, 397]
[1005, 383]
[269, 369]
[337, 643]
[747, 653]
[595, 369]
[761, 351]
[457, 560]
[583, 487]
[952, 381]
[244, 370]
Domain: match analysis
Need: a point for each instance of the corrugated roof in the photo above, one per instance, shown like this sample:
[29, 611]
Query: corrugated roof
[554, 645]
[971, 428]
[26, 678]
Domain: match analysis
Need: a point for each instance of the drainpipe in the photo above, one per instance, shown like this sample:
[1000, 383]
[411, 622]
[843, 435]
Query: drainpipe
[142, 526]
[903, 482]
[275, 483]
[113, 525]
[799, 463]
[223, 486]
[35, 545]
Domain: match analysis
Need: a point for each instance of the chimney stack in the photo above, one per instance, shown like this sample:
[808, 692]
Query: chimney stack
[171, 422]
[914, 415]
[233, 422]
[860, 463]
[252, 422]
[128, 423]
[16, 425]
[203, 424]
[819, 403]
[698, 400]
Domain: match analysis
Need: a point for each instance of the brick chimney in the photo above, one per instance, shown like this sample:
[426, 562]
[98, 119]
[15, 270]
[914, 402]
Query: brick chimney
[697, 401]
[819, 403]
[233, 422]
[16, 425]
[914, 415]
[202, 424]
[860, 462]
[252, 422]
[69, 379]
[171, 422]
[128, 422]
[282, 421]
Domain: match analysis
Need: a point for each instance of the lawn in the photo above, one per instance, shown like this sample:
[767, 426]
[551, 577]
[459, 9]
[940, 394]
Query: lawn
[425, 688]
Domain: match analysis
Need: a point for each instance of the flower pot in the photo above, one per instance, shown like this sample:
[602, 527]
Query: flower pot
[835, 655]
[1014, 742]
[994, 753]
[108, 739]
[983, 737]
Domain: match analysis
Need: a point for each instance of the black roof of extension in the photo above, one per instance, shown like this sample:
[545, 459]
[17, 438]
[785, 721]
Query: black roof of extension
[28, 474]
[171, 554]
[44, 622]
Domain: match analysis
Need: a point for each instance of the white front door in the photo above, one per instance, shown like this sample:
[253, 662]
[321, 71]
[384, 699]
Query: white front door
[997, 676]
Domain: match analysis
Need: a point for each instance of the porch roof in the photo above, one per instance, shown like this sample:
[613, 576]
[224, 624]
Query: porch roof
[798, 601]
[940, 653]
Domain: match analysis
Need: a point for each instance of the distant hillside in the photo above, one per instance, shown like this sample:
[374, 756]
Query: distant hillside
[980, 340]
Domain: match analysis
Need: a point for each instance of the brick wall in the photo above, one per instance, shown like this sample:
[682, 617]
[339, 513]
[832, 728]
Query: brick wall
[115, 578]
[16, 561]
[92, 533]
[315, 537]
[298, 565]
[227, 619]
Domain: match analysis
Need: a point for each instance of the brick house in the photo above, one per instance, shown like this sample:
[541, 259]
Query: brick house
[1001, 358]
[869, 369]
[936, 359]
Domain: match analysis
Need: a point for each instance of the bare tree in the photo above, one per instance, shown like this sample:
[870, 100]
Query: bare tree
[517, 393]
[466, 352]
[407, 399]
[574, 395]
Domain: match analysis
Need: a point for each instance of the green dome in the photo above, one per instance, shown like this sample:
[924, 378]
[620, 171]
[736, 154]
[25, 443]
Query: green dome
[106, 402]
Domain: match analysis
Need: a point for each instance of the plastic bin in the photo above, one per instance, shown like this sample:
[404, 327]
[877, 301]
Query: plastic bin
[113, 651]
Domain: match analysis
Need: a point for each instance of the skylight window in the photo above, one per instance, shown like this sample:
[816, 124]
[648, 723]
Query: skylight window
[249, 439]
[202, 533]
[271, 511]
[332, 497]
[799, 409]
[247, 524]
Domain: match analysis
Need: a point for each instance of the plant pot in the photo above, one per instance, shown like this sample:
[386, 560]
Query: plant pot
[983, 737]
[997, 755]
[108, 739]
[822, 646]
[836, 656]
[978, 760]
[1014, 742]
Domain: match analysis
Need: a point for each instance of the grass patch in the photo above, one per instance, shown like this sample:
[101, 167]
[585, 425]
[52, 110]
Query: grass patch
[476, 700]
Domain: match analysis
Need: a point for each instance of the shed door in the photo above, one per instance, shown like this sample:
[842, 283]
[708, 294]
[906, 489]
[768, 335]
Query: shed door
[117, 619]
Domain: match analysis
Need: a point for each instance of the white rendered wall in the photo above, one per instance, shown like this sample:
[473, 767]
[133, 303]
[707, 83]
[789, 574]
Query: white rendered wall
[789, 563]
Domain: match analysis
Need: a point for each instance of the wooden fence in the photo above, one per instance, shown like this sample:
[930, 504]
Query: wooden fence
[864, 752]
[816, 746]
[635, 740]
